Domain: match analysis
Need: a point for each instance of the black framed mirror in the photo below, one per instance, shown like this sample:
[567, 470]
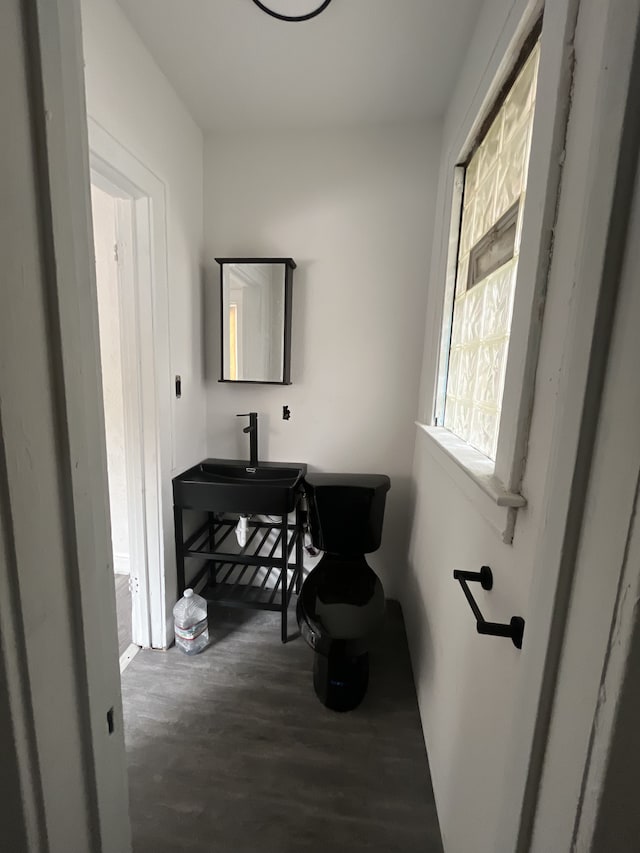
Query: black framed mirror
[255, 310]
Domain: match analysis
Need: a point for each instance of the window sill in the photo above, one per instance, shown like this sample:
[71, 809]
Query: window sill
[473, 473]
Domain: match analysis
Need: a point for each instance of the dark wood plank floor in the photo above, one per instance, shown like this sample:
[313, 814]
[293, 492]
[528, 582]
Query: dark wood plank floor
[230, 751]
[123, 611]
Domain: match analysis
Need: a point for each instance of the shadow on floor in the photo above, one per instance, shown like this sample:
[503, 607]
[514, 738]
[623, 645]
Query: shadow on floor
[224, 622]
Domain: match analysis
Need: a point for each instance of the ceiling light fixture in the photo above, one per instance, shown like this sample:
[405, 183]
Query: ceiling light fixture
[295, 18]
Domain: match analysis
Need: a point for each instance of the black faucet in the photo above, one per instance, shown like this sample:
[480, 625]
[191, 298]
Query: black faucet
[252, 429]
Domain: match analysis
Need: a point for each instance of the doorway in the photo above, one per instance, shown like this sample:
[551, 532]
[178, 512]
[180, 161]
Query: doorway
[139, 197]
[112, 237]
[128, 204]
[114, 241]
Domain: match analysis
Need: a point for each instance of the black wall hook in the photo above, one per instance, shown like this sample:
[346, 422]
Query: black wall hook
[514, 630]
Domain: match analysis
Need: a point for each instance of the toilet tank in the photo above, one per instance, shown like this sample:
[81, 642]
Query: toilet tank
[346, 511]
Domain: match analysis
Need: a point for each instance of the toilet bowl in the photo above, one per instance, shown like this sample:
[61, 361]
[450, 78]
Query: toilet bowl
[341, 605]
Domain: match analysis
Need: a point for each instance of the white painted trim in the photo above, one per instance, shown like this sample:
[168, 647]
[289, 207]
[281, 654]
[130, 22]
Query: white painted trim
[605, 591]
[127, 656]
[152, 401]
[18, 739]
[549, 124]
[474, 474]
[130, 284]
[155, 400]
[555, 76]
[610, 706]
[121, 564]
[602, 613]
[451, 265]
[517, 26]
[605, 35]
[81, 616]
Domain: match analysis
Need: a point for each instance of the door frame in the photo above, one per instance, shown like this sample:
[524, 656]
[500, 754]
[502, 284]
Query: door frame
[141, 212]
[61, 685]
[58, 116]
[589, 712]
[602, 111]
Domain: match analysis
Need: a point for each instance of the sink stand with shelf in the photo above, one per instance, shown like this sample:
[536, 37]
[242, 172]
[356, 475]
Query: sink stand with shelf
[261, 575]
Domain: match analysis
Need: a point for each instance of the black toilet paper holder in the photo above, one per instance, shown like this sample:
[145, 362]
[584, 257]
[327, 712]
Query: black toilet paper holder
[514, 629]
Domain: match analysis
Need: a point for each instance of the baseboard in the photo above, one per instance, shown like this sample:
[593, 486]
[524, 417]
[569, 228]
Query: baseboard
[127, 656]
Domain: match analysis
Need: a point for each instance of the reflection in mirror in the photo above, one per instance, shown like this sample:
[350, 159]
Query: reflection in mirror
[256, 319]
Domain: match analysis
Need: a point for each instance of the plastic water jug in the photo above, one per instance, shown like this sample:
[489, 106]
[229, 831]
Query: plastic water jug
[190, 623]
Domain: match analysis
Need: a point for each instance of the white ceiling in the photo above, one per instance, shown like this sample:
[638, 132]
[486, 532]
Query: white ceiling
[360, 61]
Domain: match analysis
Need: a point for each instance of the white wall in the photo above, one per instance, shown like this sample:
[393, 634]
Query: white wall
[130, 97]
[467, 684]
[355, 211]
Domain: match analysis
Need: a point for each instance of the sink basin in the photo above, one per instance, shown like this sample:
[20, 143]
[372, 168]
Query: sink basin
[231, 485]
[224, 473]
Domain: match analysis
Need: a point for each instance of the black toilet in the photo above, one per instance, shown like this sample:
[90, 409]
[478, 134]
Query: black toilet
[341, 606]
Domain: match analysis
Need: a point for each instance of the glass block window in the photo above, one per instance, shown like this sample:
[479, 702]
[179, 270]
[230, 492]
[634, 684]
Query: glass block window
[487, 263]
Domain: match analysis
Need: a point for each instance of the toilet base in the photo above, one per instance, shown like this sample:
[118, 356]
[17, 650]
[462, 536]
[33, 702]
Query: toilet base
[340, 681]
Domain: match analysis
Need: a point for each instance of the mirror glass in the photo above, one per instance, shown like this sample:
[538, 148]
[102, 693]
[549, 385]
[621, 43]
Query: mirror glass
[254, 313]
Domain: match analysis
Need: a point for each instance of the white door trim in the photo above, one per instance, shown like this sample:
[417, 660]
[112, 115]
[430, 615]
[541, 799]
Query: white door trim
[146, 354]
[68, 689]
[602, 613]
[599, 197]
